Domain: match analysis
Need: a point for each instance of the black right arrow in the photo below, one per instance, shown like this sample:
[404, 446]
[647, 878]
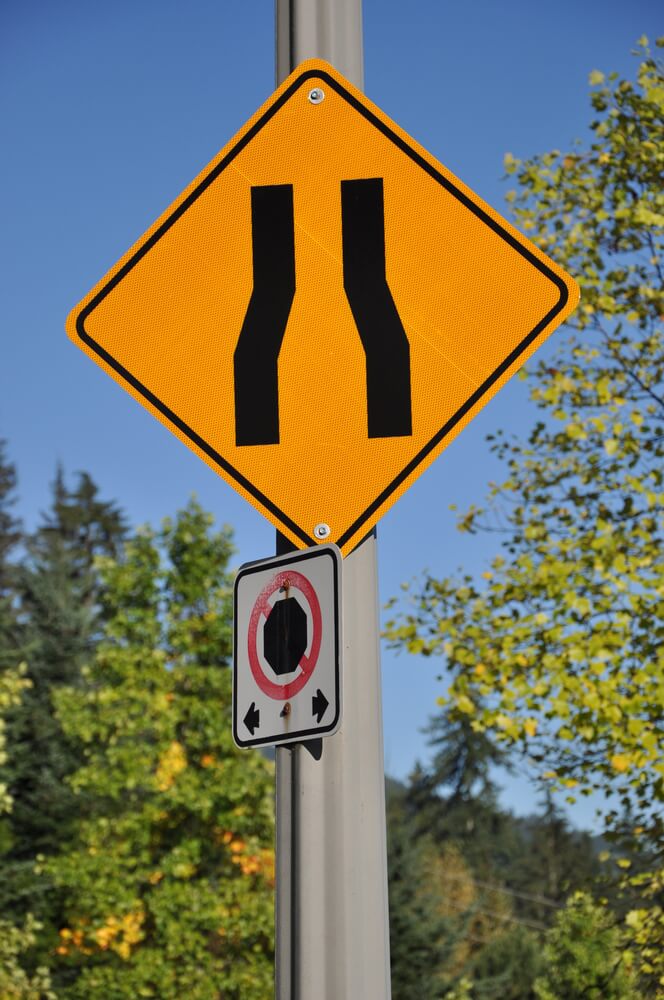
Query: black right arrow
[252, 718]
[319, 704]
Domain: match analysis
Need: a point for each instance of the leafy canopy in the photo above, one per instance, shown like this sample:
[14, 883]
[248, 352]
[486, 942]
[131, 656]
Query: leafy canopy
[558, 651]
[169, 880]
[584, 958]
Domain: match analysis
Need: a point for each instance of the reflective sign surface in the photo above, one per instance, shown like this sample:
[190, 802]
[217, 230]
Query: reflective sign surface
[287, 645]
[322, 311]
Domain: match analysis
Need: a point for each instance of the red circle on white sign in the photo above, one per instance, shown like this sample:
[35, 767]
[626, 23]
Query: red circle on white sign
[261, 609]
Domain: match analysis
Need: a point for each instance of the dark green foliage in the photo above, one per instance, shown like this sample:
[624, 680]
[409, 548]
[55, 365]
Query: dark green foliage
[584, 958]
[462, 759]
[421, 939]
[554, 859]
[556, 652]
[10, 639]
[490, 914]
[455, 798]
[57, 596]
[506, 968]
[10, 536]
[169, 875]
[496, 880]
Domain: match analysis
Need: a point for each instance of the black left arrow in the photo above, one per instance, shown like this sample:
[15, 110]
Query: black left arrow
[252, 718]
[319, 705]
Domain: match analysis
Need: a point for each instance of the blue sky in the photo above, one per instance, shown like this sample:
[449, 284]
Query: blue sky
[107, 111]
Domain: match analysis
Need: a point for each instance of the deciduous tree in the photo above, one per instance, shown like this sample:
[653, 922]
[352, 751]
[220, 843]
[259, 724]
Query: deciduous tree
[559, 650]
[584, 958]
[169, 881]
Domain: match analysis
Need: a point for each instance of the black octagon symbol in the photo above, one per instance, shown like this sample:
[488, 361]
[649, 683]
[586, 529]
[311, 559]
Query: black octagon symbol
[285, 636]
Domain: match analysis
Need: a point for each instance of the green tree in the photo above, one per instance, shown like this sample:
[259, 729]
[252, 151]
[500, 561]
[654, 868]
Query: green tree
[455, 800]
[57, 604]
[169, 880]
[552, 861]
[507, 968]
[16, 981]
[10, 535]
[559, 653]
[462, 759]
[537, 860]
[583, 956]
[462, 990]
[13, 684]
[448, 928]
[59, 607]
[422, 939]
[10, 641]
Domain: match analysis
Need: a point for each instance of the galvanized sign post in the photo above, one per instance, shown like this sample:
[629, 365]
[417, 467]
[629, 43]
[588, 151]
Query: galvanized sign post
[332, 906]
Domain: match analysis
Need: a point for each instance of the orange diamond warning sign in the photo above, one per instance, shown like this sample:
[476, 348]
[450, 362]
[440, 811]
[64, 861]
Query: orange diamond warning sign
[322, 310]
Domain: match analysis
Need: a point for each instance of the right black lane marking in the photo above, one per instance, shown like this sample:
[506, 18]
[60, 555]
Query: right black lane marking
[378, 323]
[257, 350]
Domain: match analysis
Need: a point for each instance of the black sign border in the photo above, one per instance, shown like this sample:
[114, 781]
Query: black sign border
[276, 563]
[201, 444]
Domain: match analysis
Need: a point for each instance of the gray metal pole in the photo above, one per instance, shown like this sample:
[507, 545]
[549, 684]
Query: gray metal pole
[320, 29]
[331, 901]
[332, 939]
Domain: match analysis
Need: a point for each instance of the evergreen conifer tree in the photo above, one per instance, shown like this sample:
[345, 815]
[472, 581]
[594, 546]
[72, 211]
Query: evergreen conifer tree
[10, 630]
[10, 536]
[555, 861]
[421, 938]
[58, 595]
[455, 797]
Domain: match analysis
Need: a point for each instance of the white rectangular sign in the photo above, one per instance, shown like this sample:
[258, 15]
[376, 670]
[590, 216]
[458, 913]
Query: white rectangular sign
[287, 648]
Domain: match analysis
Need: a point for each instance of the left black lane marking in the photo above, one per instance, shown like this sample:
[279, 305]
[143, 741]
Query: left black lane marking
[257, 351]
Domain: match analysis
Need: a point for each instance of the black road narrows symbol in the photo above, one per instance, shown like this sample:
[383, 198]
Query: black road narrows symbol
[259, 343]
[381, 331]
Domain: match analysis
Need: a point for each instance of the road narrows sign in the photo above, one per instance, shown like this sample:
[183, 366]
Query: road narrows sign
[287, 648]
[322, 310]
